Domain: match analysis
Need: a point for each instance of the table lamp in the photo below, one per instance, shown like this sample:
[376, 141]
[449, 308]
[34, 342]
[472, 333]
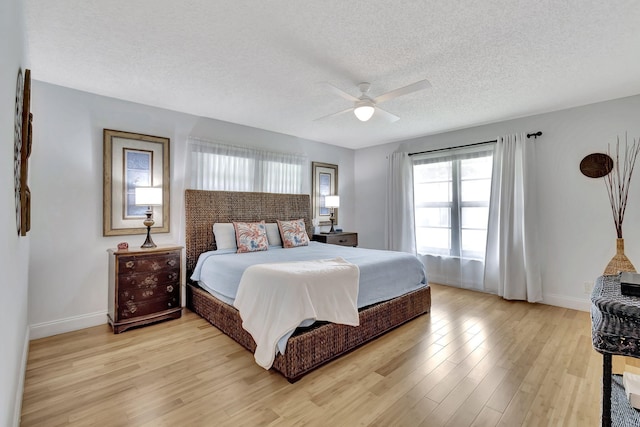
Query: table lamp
[148, 196]
[332, 202]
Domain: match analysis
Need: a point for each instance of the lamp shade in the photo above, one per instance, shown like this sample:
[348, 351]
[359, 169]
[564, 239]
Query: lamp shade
[331, 201]
[363, 112]
[148, 196]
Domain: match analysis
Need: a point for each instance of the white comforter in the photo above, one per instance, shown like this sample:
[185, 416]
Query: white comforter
[273, 299]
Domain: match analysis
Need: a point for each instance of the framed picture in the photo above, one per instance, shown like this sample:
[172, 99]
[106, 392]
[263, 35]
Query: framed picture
[133, 160]
[324, 182]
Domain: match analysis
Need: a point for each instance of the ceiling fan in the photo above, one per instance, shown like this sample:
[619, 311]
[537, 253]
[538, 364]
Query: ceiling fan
[364, 106]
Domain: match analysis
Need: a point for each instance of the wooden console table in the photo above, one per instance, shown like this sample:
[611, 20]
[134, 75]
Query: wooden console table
[615, 330]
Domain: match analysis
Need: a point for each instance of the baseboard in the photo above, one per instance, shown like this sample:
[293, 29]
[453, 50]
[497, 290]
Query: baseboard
[581, 304]
[55, 327]
[17, 408]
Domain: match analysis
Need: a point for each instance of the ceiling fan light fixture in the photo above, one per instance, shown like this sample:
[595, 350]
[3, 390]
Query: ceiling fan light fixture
[364, 111]
[364, 107]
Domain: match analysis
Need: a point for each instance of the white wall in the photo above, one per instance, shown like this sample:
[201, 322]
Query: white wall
[576, 228]
[371, 180]
[68, 263]
[14, 250]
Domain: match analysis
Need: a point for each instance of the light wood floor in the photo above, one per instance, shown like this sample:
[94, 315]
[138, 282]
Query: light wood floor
[475, 360]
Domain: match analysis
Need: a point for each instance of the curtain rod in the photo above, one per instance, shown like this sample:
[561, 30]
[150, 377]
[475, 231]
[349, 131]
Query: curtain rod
[535, 135]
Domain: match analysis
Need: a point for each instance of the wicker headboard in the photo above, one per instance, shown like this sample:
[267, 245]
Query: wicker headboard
[204, 208]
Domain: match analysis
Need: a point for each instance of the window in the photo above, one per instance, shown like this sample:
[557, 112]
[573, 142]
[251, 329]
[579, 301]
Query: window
[216, 166]
[451, 197]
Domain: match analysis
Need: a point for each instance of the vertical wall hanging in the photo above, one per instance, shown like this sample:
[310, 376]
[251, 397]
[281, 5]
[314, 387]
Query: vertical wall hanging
[22, 151]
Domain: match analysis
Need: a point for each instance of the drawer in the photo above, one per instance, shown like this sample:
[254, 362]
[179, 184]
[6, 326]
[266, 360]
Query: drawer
[130, 309]
[132, 264]
[344, 240]
[148, 280]
[148, 293]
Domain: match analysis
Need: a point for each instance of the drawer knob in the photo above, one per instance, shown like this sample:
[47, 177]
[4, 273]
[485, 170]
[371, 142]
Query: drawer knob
[169, 304]
[169, 288]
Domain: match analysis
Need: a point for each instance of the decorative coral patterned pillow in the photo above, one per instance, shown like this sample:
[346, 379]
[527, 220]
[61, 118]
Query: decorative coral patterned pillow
[251, 236]
[293, 233]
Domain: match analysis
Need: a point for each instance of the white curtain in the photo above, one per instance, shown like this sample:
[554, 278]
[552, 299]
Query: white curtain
[215, 166]
[454, 271]
[511, 265]
[400, 231]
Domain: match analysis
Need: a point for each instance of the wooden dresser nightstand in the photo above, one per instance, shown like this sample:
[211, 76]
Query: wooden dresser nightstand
[340, 238]
[144, 286]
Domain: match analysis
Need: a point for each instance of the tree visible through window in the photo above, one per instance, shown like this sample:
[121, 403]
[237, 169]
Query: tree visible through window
[451, 197]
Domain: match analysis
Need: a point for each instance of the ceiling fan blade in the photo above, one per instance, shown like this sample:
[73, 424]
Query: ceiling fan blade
[414, 87]
[348, 110]
[387, 115]
[341, 93]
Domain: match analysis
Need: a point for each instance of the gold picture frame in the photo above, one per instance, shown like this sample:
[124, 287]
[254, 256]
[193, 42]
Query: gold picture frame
[130, 160]
[324, 182]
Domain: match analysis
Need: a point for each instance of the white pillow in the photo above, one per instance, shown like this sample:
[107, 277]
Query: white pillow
[225, 235]
[273, 234]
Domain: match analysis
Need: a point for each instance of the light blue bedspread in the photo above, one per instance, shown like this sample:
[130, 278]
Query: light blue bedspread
[383, 274]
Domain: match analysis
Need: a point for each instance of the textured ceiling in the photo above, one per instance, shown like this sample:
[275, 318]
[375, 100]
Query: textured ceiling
[259, 63]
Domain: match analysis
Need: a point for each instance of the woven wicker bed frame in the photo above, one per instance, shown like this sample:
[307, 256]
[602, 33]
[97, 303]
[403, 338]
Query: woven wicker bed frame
[306, 349]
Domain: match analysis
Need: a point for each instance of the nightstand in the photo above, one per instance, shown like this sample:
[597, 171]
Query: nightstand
[144, 286]
[342, 238]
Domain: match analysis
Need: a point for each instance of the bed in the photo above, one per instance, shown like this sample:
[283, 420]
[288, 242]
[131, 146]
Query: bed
[308, 348]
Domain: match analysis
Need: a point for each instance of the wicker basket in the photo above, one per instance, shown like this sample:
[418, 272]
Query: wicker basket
[619, 262]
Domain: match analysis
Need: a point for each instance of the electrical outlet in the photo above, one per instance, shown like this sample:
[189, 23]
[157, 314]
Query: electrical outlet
[588, 287]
